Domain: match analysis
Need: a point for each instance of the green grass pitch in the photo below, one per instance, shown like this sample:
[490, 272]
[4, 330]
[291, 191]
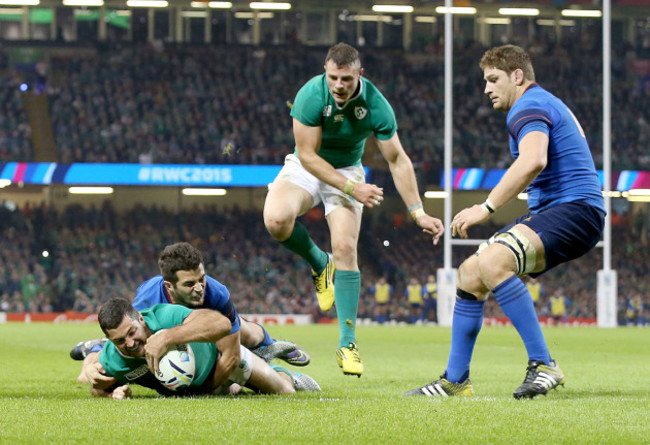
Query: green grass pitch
[605, 399]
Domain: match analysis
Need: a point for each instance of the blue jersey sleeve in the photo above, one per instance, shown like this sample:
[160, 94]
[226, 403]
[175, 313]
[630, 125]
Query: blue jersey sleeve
[217, 297]
[150, 293]
[527, 120]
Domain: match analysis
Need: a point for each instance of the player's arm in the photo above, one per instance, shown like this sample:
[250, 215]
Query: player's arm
[92, 372]
[201, 325]
[308, 140]
[403, 174]
[229, 358]
[533, 151]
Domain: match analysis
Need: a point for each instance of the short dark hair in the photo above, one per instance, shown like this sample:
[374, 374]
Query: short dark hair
[179, 256]
[343, 54]
[113, 311]
[508, 58]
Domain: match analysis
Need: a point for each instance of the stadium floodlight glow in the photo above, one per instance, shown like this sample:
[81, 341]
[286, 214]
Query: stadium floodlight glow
[269, 5]
[90, 190]
[372, 18]
[496, 20]
[551, 22]
[425, 19]
[531, 12]
[20, 2]
[204, 192]
[4, 183]
[582, 13]
[214, 5]
[194, 14]
[612, 194]
[83, 2]
[147, 3]
[433, 194]
[250, 15]
[523, 196]
[393, 8]
[456, 10]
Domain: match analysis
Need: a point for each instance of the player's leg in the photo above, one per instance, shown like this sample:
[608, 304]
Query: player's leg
[273, 379]
[345, 223]
[466, 325]
[83, 348]
[258, 340]
[292, 193]
[521, 251]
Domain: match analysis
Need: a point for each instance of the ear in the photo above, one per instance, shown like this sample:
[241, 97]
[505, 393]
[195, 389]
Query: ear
[170, 290]
[519, 76]
[361, 71]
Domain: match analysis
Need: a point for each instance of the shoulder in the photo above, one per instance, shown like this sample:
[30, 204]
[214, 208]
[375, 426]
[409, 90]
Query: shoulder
[149, 293]
[313, 86]
[372, 95]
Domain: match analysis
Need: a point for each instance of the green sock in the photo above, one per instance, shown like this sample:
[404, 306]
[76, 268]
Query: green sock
[301, 243]
[346, 296]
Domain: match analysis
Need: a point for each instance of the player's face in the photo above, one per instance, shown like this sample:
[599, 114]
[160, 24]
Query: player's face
[342, 81]
[500, 88]
[130, 336]
[189, 290]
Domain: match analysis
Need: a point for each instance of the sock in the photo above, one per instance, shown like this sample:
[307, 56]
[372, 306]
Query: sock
[467, 323]
[346, 296]
[516, 302]
[301, 243]
[267, 340]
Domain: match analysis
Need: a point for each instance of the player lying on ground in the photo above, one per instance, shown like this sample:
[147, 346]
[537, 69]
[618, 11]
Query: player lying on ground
[135, 346]
[183, 281]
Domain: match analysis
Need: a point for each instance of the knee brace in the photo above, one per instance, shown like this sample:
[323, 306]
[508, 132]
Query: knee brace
[519, 245]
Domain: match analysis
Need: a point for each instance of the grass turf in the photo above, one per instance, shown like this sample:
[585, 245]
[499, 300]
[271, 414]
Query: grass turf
[605, 399]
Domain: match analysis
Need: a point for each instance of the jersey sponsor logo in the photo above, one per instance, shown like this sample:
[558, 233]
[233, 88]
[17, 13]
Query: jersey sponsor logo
[327, 111]
[137, 372]
[339, 118]
[360, 112]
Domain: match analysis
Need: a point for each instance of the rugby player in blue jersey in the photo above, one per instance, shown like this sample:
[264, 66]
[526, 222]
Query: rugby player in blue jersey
[183, 281]
[553, 164]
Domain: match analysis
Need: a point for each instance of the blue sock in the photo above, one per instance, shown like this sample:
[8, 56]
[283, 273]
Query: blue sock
[468, 319]
[267, 338]
[517, 304]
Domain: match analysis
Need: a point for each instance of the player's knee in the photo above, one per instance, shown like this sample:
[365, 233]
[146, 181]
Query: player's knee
[279, 226]
[470, 281]
[344, 250]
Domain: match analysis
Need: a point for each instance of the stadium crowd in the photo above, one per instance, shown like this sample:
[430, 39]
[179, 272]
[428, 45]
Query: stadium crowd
[95, 254]
[229, 104]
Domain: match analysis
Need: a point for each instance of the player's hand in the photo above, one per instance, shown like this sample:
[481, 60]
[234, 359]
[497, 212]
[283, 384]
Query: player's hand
[121, 392]
[155, 348]
[466, 218]
[368, 194]
[95, 374]
[431, 226]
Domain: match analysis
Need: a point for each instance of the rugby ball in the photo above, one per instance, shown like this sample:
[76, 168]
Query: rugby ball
[177, 368]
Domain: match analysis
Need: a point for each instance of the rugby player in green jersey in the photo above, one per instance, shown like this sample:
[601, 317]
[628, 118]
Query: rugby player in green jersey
[137, 340]
[333, 115]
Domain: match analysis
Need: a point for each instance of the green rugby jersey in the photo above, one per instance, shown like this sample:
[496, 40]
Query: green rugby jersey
[346, 129]
[135, 370]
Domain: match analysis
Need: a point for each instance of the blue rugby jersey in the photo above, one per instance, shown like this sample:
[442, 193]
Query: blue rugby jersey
[217, 297]
[570, 174]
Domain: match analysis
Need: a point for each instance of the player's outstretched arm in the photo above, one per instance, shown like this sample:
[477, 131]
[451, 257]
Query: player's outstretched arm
[308, 140]
[229, 359]
[533, 150]
[401, 169]
[92, 372]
